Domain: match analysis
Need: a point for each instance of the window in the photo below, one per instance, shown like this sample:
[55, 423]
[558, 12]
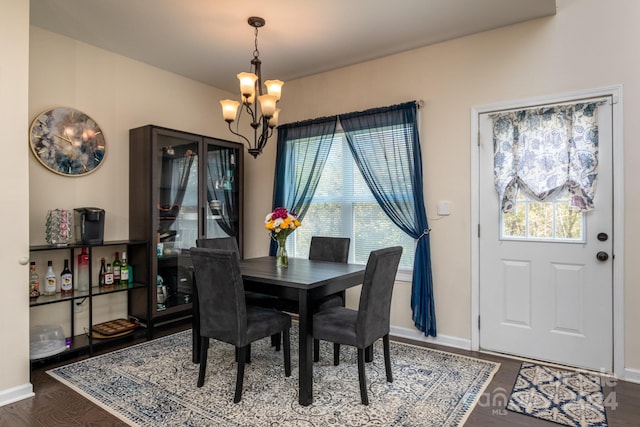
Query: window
[343, 206]
[542, 221]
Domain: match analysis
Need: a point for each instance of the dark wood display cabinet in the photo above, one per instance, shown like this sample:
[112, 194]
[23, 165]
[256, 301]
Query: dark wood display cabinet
[81, 339]
[182, 187]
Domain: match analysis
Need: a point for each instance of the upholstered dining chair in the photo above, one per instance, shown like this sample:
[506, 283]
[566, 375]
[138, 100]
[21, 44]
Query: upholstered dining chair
[251, 298]
[333, 249]
[225, 316]
[322, 248]
[361, 328]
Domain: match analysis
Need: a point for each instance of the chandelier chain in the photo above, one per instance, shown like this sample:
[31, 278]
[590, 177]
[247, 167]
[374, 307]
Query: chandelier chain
[256, 53]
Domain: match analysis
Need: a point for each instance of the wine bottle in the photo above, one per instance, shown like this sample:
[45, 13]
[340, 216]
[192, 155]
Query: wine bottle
[116, 268]
[50, 281]
[82, 278]
[66, 279]
[108, 277]
[34, 282]
[124, 270]
[103, 270]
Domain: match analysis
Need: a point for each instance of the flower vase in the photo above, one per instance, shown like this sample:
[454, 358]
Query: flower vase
[282, 259]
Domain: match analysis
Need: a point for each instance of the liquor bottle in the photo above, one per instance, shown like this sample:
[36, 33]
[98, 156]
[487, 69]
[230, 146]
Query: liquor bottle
[116, 268]
[34, 282]
[108, 277]
[124, 270]
[103, 270]
[66, 279]
[50, 281]
[82, 278]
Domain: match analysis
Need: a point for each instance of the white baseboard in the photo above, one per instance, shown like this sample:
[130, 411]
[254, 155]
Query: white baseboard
[632, 375]
[14, 394]
[416, 335]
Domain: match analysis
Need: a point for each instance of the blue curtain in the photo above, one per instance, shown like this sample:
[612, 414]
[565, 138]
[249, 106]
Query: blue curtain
[302, 151]
[386, 147]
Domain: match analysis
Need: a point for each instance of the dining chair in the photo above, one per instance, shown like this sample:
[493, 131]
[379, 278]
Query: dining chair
[251, 298]
[361, 328]
[322, 248]
[225, 316]
[333, 249]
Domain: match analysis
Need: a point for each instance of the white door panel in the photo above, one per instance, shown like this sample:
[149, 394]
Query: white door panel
[548, 300]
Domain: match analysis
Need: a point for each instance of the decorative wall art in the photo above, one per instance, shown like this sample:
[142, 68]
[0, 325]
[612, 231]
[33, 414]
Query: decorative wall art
[67, 142]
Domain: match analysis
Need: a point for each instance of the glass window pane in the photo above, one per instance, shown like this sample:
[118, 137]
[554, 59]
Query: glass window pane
[374, 230]
[515, 223]
[543, 221]
[343, 206]
[568, 222]
[540, 220]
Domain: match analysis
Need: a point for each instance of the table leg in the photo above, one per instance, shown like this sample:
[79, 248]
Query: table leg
[305, 365]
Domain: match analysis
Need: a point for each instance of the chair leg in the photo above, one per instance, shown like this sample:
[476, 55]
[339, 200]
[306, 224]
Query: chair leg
[240, 376]
[247, 357]
[387, 358]
[336, 354]
[287, 352]
[368, 354]
[316, 350]
[204, 347]
[362, 378]
[275, 341]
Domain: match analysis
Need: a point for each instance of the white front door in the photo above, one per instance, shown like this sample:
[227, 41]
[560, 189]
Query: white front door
[543, 296]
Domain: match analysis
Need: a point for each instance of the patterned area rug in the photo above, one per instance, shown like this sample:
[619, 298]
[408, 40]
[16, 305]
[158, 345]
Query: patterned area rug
[154, 383]
[564, 397]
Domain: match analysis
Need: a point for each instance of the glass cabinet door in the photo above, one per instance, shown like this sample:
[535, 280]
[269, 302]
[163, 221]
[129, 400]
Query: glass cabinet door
[223, 187]
[177, 216]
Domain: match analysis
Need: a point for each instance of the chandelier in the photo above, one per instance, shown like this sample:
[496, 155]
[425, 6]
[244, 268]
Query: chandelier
[251, 93]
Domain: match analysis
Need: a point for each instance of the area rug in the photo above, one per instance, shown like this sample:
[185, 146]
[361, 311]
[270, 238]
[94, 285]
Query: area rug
[564, 397]
[154, 384]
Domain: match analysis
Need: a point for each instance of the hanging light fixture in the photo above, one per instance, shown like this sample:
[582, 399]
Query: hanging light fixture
[264, 122]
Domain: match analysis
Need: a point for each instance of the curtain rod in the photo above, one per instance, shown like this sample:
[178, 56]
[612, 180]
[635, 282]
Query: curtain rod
[603, 98]
[419, 104]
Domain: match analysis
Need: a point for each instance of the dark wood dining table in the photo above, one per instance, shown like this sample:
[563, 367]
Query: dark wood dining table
[303, 281]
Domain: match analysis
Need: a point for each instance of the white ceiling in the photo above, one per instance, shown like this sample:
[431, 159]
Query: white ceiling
[210, 40]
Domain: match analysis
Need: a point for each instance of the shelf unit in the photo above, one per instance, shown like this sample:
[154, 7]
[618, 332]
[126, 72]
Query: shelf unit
[137, 254]
[182, 187]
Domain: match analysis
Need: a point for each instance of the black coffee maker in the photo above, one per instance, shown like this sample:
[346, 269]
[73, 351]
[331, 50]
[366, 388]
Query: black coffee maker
[89, 225]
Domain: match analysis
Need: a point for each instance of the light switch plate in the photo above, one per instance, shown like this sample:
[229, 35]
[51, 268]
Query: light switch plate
[444, 208]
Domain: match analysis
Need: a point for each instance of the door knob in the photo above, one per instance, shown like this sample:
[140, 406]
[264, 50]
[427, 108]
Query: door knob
[602, 256]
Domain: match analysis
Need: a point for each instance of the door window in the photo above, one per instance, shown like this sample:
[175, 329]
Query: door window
[542, 221]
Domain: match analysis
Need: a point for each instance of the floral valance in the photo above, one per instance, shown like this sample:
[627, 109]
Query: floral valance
[547, 153]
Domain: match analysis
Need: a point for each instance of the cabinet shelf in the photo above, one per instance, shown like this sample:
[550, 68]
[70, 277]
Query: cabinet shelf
[39, 248]
[80, 343]
[95, 291]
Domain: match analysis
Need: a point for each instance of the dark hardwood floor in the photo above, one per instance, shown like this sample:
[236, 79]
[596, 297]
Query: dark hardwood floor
[56, 405]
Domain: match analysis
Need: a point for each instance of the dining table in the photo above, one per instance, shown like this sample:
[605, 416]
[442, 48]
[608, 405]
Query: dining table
[303, 281]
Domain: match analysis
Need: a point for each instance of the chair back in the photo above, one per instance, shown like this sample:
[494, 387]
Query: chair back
[375, 298]
[334, 249]
[224, 243]
[222, 307]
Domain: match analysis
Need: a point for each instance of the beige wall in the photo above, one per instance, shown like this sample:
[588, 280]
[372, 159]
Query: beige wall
[547, 56]
[588, 44]
[14, 208]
